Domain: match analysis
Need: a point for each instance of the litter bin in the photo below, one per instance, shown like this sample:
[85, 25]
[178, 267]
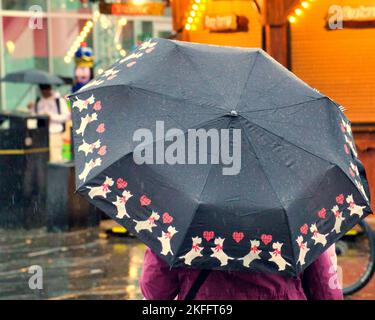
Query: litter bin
[24, 154]
[67, 210]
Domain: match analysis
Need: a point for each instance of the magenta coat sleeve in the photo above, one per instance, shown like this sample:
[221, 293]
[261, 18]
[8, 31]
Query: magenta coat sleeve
[158, 281]
[320, 279]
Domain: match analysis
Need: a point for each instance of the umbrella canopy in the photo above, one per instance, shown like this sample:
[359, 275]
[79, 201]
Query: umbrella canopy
[295, 189]
[33, 76]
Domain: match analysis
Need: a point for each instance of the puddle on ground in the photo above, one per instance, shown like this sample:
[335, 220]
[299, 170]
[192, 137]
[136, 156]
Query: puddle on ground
[75, 265]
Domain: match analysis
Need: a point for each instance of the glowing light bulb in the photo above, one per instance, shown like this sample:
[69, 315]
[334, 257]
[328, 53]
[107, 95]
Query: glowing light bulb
[123, 22]
[292, 19]
[188, 26]
[298, 11]
[305, 4]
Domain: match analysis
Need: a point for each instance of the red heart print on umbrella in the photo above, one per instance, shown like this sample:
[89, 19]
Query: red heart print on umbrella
[121, 183]
[167, 218]
[100, 128]
[340, 199]
[208, 235]
[97, 106]
[304, 229]
[266, 238]
[144, 200]
[102, 151]
[322, 213]
[237, 236]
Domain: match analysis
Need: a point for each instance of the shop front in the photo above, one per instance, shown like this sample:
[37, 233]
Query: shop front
[332, 47]
[45, 34]
[233, 23]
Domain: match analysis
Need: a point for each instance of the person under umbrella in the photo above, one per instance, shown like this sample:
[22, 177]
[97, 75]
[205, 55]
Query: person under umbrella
[320, 281]
[52, 104]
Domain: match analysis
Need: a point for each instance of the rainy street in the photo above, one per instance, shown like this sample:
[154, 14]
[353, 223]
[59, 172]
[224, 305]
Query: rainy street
[76, 265]
[87, 264]
[209, 150]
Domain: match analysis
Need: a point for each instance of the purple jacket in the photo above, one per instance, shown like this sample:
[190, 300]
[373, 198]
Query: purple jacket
[160, 282]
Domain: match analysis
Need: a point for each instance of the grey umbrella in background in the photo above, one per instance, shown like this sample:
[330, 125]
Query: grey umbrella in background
[33, 76]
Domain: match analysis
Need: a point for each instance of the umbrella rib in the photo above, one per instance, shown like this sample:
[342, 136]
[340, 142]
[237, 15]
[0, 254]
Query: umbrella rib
[198, 202]
[321, 157]
[282, 138]
[132, 86]
[273, 189]
[186, 56]
[132, 151]
[286, 106]
[247, 80]
[175, 98]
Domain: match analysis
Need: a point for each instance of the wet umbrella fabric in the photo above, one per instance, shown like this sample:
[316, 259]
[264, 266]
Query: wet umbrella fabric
[300, 185]
[33, 76]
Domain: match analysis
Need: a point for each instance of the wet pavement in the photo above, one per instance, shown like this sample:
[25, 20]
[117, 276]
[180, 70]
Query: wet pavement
[88, 265]
[75, 265]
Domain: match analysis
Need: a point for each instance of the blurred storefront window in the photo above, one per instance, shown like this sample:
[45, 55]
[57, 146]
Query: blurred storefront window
[63, 32]
[24, 48]
[70, 5]
[49, 42]
[23, 4]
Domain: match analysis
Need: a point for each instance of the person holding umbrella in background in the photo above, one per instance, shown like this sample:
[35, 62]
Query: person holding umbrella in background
[49, 102]
[52, 104]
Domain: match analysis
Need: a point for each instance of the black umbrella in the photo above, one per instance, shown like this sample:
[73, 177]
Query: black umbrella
[296, 187]
[33, 76]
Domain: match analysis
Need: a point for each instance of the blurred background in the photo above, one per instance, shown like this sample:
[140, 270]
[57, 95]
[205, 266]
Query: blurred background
[329, 44]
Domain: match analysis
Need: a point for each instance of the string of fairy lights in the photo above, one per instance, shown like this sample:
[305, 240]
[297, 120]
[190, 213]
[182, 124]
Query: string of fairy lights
[105, 24]
[194, 14]
[298, 12]
[197, 7]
